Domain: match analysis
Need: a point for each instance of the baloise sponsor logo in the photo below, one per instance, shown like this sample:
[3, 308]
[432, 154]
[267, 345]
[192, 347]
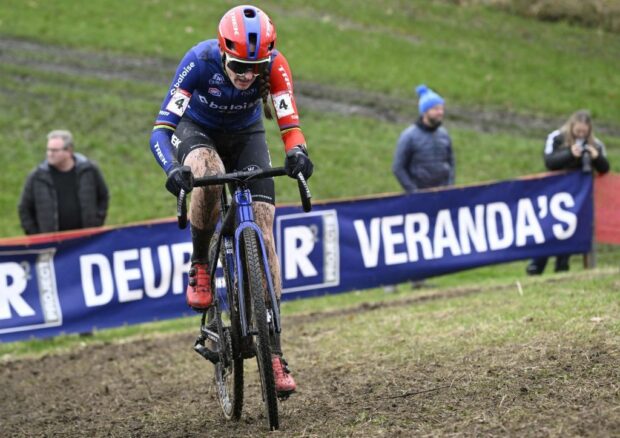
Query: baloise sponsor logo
[227, 108]
[182, 77]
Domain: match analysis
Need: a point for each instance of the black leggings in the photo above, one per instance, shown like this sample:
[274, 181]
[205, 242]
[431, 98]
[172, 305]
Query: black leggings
[240, 150]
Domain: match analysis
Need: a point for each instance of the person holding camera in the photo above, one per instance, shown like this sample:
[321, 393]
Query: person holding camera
[573, 146]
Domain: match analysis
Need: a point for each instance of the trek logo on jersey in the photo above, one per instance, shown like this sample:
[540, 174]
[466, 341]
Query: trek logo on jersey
[216, 79]
[282, 71]
[213, 91]
[309, 251]
[28, 291]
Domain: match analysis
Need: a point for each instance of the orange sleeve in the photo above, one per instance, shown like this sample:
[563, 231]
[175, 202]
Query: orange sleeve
[281, 82]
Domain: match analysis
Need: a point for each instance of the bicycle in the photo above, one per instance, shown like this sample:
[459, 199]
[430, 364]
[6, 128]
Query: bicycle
[229, 334]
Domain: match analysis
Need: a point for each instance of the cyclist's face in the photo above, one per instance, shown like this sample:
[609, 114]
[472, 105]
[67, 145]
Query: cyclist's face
[243, 73]
[241, 81]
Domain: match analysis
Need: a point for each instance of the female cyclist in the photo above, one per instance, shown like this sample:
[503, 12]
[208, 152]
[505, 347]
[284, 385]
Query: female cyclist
[210, 122]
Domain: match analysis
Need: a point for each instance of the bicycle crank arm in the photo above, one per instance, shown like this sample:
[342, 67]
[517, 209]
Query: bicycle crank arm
[211, 356]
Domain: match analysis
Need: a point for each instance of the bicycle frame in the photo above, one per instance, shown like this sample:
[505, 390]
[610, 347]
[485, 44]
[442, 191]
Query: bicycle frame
[241, 208]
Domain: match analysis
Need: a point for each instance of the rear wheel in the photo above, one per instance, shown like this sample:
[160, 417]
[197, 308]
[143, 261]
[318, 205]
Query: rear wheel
[260, 325]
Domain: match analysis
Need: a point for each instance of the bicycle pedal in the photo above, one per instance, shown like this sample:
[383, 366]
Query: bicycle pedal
[282, 396]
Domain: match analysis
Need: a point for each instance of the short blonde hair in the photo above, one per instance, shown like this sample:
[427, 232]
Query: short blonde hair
[65, 135]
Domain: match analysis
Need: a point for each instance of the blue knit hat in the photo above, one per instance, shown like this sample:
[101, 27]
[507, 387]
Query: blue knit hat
[427, 98]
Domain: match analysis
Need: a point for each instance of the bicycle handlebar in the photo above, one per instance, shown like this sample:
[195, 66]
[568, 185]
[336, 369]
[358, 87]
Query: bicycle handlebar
[242, 176]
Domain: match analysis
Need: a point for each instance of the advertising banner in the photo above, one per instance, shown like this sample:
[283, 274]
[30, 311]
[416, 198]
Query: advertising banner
[114, 276]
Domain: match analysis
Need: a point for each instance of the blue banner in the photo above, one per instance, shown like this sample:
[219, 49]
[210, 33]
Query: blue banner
[138, 273]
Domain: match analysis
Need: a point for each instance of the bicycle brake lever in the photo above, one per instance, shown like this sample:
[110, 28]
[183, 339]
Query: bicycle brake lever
[304, 192]
[182, 210]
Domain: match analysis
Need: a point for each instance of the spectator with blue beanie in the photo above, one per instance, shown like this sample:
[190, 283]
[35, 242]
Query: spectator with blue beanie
[424, 156]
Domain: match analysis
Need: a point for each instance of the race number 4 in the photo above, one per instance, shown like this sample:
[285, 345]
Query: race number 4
[283, 104]
[178, 102]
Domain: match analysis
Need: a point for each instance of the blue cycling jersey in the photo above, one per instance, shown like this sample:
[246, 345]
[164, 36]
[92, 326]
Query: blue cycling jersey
[202, 91]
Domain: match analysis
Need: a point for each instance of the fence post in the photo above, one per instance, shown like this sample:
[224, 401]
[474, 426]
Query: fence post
[589, 259]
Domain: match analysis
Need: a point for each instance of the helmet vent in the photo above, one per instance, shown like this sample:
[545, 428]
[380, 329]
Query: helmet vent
[230, 45]
[252, 37]
[249, 13]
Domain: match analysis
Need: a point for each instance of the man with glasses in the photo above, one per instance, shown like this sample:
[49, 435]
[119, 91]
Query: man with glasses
[210, 123]
[64, 192]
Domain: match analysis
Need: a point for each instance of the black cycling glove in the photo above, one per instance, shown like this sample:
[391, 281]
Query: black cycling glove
[297, 161]
[179, 177]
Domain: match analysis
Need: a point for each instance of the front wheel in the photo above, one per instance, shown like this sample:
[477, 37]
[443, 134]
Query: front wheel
[229, 369]
[259, 324]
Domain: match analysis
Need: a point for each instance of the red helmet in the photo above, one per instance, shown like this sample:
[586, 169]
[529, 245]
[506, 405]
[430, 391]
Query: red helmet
[246, 33]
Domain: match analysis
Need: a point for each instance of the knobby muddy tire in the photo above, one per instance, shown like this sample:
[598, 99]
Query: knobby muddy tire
[257, 285]
[229, 377]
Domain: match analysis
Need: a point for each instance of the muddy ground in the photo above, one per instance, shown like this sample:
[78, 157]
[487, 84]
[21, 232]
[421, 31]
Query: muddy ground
[157, 386]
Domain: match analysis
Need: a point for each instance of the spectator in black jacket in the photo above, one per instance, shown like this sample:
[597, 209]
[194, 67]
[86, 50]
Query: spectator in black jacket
[573, 146]
[64, 192]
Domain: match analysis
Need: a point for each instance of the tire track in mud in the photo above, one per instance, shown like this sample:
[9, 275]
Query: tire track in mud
[42, 57]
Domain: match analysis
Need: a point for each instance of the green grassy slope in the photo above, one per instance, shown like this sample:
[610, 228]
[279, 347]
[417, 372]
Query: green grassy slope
[471, 53]
[476, 57]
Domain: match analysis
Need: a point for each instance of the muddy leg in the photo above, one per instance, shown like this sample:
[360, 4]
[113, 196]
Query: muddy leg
[205, 201]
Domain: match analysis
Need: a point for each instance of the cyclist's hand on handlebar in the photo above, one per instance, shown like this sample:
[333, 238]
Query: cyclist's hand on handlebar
[179, 177]
[297, 161]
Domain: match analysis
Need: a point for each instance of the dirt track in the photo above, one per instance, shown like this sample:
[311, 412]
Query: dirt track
[158, 387]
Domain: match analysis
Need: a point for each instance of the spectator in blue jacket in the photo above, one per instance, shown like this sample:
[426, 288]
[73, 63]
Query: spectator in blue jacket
[424, 156]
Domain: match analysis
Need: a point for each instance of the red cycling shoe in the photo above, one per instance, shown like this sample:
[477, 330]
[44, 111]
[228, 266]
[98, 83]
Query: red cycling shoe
[285, 384]
[199, 295]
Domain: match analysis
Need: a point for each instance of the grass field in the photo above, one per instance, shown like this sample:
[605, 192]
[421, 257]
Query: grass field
[94, 73]
[482, 352]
